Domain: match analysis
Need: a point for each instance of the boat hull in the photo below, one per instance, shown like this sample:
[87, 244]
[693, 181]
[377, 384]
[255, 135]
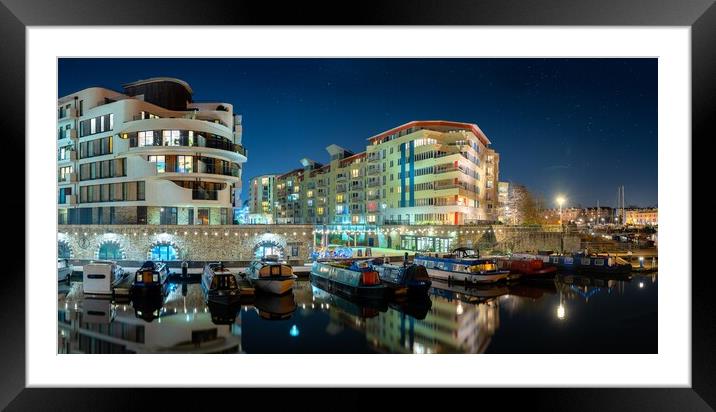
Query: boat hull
[274, 286]
[63, 274]
[361, 292]
[469, 277]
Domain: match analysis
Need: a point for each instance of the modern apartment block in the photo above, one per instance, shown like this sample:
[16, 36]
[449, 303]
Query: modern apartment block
[261, 199]
[147, 155]
[423, 172]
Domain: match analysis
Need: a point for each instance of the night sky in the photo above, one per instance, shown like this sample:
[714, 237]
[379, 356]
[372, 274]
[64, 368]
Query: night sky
[580, 127]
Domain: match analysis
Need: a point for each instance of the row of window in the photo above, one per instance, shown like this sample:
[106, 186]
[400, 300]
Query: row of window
[97, 124]
[145, 215]
[104, 169]
[97, 147]
[178, 138]
[112, 192]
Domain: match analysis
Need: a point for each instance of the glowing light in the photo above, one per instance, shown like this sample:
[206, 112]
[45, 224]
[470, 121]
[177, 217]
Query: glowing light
[459, 310]
[641, 284]
[560, 311]
[294, 331]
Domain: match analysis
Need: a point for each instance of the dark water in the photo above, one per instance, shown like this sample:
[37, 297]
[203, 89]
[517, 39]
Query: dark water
[570, 314]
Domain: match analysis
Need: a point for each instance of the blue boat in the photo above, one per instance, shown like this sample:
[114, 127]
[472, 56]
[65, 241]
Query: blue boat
[412, 277]
[591, 264]
[150, 279]
[355, 278]
[463, 265]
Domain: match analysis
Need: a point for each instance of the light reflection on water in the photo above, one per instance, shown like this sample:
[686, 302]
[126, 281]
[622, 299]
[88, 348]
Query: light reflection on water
[571, 314]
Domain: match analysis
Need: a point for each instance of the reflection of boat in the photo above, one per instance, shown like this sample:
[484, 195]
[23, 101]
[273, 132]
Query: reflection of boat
[99, 277]
[97, 311]
[415, 308]
[478, 292]
[150, 279]
[411, 276]
[463, 265]
[219, 284]
[222, 314]
[362, 309]
[64, 270]
[353, 278]
[271, 275]
[147, 307]
[275, 307]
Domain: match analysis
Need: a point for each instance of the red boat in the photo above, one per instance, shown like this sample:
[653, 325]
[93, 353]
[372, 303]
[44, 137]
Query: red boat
[528, 267]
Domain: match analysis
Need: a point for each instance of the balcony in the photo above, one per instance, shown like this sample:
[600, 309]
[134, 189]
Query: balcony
[205, 194]
[373, 171]
[373, 157]
[374, 196]
[69, 178]
[373, 183]
[446, 169]
[341, 177]
[68, 200]
[340, 189]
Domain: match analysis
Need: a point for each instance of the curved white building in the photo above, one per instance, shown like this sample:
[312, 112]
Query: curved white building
[150, 155]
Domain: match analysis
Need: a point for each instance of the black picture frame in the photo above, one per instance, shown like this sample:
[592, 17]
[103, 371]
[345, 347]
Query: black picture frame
[15, 15]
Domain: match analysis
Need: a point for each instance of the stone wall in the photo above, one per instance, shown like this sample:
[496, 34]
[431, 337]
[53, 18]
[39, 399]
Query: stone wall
[497, 238]
[216, 242]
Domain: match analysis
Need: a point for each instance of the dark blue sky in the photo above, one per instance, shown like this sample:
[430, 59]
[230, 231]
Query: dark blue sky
[575, 126]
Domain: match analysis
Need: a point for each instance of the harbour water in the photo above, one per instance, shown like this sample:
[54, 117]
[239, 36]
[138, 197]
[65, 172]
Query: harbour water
[570, 314]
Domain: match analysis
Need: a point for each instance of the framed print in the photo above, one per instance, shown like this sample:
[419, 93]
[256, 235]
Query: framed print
[454, 195]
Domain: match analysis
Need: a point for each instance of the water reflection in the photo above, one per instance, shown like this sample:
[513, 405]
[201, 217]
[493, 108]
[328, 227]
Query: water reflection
[564, 315]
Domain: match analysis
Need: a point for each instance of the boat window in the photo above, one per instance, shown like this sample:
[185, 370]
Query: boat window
[599, 262]
[585, 261]
[568, 261]
[96, 276]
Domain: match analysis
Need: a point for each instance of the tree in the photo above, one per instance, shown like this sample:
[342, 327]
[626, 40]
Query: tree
[522, 206]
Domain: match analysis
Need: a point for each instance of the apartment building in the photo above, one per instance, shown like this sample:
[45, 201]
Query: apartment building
[422, 172]
[147, 155]
[261, 199]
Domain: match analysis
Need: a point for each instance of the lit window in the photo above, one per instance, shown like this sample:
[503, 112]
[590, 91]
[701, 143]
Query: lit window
[145, 138]
[371, 218]
[93, 126]
[355, 172]
[184, 164]
[161, 163]
[264, 181]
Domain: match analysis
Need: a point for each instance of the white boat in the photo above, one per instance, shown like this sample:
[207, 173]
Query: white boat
[64, 270]
[463, 265]
[99, 277]
[271, 275]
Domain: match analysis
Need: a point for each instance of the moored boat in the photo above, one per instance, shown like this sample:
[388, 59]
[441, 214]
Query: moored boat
[100, 277]
[219, 284]
[591, 264]
[64, 270]
[463, 265]
[271, 275]
[528, 268]
[410, 276]
[150, 279]
[355, 278]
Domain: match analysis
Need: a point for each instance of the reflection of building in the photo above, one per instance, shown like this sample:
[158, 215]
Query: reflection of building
[422, 172]
[451, 326]
[261, 191]
[149, 155]
[183, 325]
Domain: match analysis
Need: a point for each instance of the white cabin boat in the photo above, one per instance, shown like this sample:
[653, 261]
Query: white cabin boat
[271, 275]
[64, 270]
[99, 277]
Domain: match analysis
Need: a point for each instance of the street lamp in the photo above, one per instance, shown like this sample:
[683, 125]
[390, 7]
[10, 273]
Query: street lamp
[560, 201]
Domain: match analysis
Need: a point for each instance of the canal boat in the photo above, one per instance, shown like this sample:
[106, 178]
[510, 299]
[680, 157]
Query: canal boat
[463, 265]
[527, 267]
[150, 279]
[100, 277]
[355, 278]
[271, 275]
[219, 284]
[64, 270]
[412, 277]
[591, 264]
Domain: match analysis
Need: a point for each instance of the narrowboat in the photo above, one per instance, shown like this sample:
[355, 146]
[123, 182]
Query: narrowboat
[100, 277]
[591, 264]
[150, 279]
[64, 270]
[355, 278]
[219, 284]
[271, 275]
[409, 276]
[147, 307]
[222, 314]
[463, 265]
[529, 268]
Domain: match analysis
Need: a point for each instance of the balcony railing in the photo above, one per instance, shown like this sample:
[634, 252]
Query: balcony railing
[205, 194]
[373, 171]
[340, 189]
[373, 183]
